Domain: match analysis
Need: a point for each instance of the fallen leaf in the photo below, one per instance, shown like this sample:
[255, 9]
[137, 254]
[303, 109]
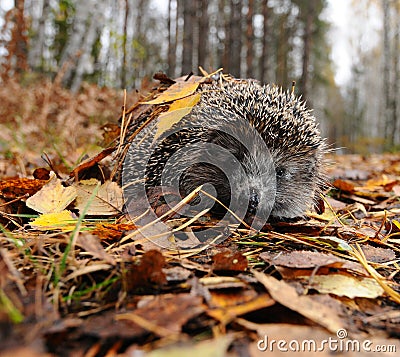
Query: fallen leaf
[344, 285]
[13, 188]
[110, 231]
[287, 296]
[229, 313]
[52, 198]
[229, 261]
[217, 347]
[63, 220]
[148, 273]
[176, 91]
[108, 200]
[344, 185]
[89, 163]
[165, 315]
[91, 244]
[177, 110]
[221, 282]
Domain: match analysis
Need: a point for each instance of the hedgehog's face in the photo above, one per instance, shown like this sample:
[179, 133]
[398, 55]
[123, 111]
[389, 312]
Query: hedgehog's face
[296, 184]
[278, 186]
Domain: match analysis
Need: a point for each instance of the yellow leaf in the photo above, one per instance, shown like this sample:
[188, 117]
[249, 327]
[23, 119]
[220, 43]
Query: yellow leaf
[52, 198]
[108, 201]
[177, 110]
[396, 223]
[63, 220]
[178, 90]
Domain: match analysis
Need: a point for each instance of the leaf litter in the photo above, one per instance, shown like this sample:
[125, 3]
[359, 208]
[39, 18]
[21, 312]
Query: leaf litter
[76, 277]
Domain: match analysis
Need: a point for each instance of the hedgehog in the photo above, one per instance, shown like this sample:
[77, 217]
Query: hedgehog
[257, 149]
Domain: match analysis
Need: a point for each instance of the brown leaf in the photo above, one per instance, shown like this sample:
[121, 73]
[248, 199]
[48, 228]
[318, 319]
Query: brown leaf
[229, 261]
[228, 314]
[90, 163]
[148, 273]
[112, 232]
[166, 315]
[286, 295]
[344, 185]
[13, 188]
[92, 245]
[41, 174]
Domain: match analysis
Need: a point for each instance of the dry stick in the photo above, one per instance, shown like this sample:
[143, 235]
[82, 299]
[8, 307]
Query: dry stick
[228, 209]
[145, 323]
[176, 208]
[122, 125]
[381, 227]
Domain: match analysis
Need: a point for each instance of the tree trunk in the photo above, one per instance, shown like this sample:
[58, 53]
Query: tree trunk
[235, 38]
[202, 48]
[249, 39]
[396, 72]
[386, 75]
[187, 52]
[264, 59]
[227, 18]
[37, 46]
[282, 51]
[73, 48]
[307, 39]
[124, 42]
[84, 60]
[172, 37]
[221, 41]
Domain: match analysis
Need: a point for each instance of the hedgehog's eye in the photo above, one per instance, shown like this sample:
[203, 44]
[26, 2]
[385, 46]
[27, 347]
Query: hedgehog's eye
[280, 172]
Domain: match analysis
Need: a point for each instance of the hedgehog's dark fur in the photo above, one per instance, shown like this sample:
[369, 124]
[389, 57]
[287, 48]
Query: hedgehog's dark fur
[282, 183]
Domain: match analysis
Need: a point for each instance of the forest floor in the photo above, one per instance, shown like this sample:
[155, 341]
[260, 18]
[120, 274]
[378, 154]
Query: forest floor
[78, 282]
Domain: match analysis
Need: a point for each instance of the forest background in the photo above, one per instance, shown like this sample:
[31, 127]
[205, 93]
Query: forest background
[121, 44]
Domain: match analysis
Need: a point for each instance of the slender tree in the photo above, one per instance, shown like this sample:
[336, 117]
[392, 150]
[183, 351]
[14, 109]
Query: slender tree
[124, 45]
[264, 58]
[187, 53]
[203, 30]
[172, 38]
[38, 40]
[308, 16]
[386, 73]
[235, 39]
[249, 39]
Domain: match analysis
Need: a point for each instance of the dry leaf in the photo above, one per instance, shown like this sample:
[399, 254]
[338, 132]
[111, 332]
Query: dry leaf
[228, 314]
[177, 110]
[344, 285]
[52, 198]
[92, 245]
[217, 348]
[287, 296]
[108, 201]
[63, 220]
[178, 90]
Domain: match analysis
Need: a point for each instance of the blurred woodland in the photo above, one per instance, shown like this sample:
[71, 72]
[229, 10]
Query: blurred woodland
[121, 44]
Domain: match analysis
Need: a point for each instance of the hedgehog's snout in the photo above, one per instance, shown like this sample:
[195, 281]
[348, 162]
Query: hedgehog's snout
[254, 200]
